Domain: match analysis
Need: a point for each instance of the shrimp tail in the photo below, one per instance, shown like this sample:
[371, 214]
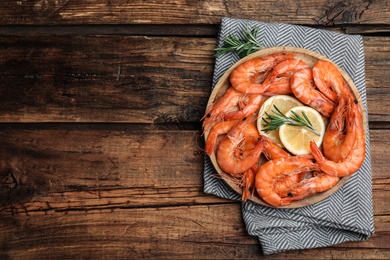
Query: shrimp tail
[249, 183]
[317, 154]
[211, 141]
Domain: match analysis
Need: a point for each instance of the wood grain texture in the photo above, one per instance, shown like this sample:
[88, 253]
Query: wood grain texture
[81, 78]
[322, 12]
[43, 170]
[197, 231]
[77, 78]
[137, 194]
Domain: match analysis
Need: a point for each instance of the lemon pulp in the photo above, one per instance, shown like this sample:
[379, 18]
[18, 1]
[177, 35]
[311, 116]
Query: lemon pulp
[297, 139]
[284, 103]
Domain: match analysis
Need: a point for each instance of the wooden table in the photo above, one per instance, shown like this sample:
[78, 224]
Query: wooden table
[100, 109]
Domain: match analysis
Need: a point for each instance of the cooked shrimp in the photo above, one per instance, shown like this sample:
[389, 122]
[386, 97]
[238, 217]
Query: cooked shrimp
[319, 183]
[224, 107]
[248, 179]
[278, 81]
[303, 89]
[337, 144]
[329, 80]
[352, 162]
[285, 68]
[287, 181]
[221, 106]
[269, 173]
[219, 129]
[239, 150]
[248, 77]
[279, 86]
[251, 106]
[272, 150]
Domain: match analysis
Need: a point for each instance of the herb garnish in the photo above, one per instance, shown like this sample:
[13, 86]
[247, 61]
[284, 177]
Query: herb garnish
[279, 119]
[242, 47]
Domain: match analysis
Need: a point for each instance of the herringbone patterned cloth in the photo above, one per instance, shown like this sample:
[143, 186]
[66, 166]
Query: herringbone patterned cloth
[347, 215]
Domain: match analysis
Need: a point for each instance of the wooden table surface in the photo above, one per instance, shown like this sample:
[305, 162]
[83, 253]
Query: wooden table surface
[100, 109]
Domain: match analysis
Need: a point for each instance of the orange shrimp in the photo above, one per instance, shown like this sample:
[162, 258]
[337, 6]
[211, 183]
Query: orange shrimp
[352, 162]
[285, 68]
[269, 173]
[219, 129]
[285, 182]
[279, 79]
[303, 89]
[248, 184]
[248, 76]
[319, 183]
[329, 80]
[279, 86]
[239, 150]
[251, 106]
[224, 107]
[221, 106]
[272, 150]
[336, 144]
[251, 135]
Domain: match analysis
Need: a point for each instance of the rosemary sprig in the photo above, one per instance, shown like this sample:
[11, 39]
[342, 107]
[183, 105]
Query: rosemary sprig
[242, 47]
[279, 119]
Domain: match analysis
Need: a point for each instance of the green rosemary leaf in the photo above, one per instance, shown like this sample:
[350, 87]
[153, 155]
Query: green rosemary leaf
[279, 119]
[242, 47]
[307, 119]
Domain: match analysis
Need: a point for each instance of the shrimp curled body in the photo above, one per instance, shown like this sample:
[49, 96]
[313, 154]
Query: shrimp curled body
[240, 149]
[329, 80]
[269, 173]
[303, 89]
[248, 77]
[319, 183]
[352, 162]
[340, 136]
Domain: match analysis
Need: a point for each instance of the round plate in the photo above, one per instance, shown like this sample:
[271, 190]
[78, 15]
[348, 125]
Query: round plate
[310, 57]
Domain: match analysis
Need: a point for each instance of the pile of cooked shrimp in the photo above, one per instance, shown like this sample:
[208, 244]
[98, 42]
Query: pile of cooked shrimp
[285, 178]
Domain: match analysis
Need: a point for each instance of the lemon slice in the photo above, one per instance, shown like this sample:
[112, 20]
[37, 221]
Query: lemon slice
[297, 139]
[284, 103]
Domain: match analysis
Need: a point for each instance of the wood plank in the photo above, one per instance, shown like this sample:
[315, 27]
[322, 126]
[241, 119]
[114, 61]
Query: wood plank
[78, 78]
[195, 12]
[201, 231]
[41, 161]
[134, 194]
[104, 78]
[367, 29]
[190, 30]
[44, 170]
[378, 85]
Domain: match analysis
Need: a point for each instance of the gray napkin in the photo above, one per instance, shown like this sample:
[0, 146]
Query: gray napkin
[347, 215]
